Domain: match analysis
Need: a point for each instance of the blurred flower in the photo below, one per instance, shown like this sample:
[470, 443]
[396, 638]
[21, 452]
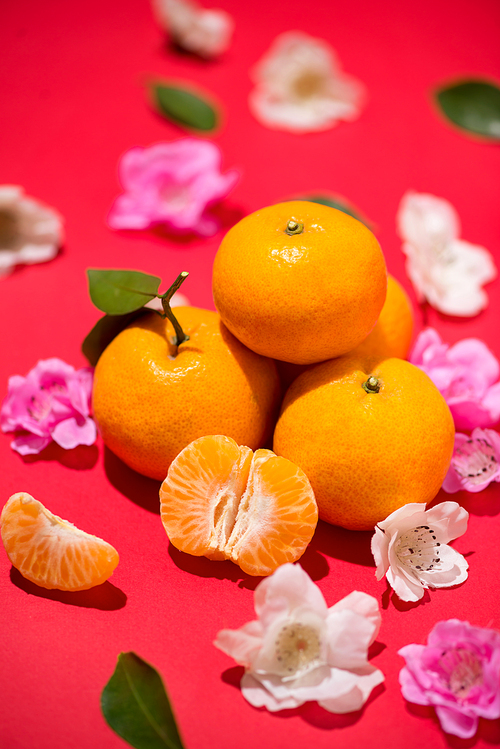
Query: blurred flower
[51, 403]
[457, 673]
[465, 374]
[300, 86]
[475, 462]
[299, 650]
[29, 231]
[172, 184]
[410, 548]
[206, 32]
[444, 269]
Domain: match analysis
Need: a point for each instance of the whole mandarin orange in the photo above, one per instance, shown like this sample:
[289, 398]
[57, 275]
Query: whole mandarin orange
[299, 281]
[151, 399]
[370, 436]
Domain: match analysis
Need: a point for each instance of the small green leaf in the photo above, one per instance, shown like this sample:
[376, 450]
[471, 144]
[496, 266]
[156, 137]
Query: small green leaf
[103, 332]
[472, 105]
[136, 706]
[337, 202]
[118, 292]
[184, 108]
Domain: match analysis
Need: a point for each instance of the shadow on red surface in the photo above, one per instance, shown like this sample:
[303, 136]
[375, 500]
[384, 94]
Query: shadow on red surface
[106, 597]
[339, 543]
[141, 490]
[81, 458]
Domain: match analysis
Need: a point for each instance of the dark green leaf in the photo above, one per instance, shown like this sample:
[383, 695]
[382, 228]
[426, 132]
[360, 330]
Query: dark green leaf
[473, 106]
[335, 201]
[184, 107]
[135, 705]
[118, 292]
[104, 331]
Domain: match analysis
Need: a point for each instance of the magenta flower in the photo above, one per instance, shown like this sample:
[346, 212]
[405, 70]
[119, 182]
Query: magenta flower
[457, 672]
[466, 375]
[172, 184]
[300, 650]
[475, 462]
[51, 403]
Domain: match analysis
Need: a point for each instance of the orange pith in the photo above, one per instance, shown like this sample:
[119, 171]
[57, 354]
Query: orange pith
[52, 552]
[222, 501]
[304, 297]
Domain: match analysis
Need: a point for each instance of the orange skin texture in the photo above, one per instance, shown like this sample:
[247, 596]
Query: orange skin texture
[149, 403]
[366, 454]
[303, 298]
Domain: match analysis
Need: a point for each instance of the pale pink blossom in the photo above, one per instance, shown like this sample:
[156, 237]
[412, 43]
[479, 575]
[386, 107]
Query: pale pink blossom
[410, 548]
[207, 32]
[299, 650]
[445, 270]
[51, 403]
[30, 232]
[300, 86]
[457, 673]
[172, 184]
[475, 462]
[466, 374]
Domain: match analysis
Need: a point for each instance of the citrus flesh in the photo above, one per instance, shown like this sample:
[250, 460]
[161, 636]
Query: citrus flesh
[50, 551]
[299, 297]
[222, 501]
[366, 453]
[150, 399]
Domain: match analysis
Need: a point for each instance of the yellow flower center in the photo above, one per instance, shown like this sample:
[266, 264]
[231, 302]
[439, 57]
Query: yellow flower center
[297, 646]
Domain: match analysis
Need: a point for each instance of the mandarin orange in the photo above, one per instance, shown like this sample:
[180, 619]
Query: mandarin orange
[52, 552]
[151, 399]
[222, 501]
[370, 435]
[299, 281]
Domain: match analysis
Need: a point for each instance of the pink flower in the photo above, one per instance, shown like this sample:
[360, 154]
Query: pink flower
[205, 32]
[444, 269]
[457, 672]
[51, 403]
[466, 374]
[301, 87]
[475, 462]
[299, 650]
[410, 548]
[172, 184]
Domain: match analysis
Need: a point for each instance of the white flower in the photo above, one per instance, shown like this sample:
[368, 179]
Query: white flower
[299, 650]
[444, 269]
[300, 86]
[29, 231]
[411, 549]
[205, 32]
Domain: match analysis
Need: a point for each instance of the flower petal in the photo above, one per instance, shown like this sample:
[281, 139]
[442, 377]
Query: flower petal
[380, 548]
[287, 589]
[458, 723]
[29, 444]
[451, 519]
[241, 644]
[349, 637]
[362, 604]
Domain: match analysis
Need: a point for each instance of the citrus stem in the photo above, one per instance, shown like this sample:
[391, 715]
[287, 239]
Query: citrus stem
[180, 336]
[372, 385]
[294, 227]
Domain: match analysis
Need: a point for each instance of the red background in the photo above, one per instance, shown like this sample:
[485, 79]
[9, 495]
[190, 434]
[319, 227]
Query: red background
[72, 101]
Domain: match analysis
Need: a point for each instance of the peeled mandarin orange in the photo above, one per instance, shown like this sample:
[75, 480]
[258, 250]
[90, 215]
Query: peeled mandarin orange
[299, 281]
[222, 501]
[52, 552]
[371, 436]
[151, 399]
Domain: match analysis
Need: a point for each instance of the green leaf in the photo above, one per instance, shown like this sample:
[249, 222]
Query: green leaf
[184, 108]
[103, 332]
[135, 705]
[118, 292]
[472, 105]
[334, 201]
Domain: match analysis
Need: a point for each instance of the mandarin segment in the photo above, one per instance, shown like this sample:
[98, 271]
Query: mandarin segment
[222, 501]
[50, 551]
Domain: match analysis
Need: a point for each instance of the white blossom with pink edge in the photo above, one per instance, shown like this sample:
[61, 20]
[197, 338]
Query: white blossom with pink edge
[52, 403]
[172, 184]
[30, 232]
[466, 374]
[299, 650]
[410, 548]
[475, 462]
[300, 86]
[445, 270]
[207, 32]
